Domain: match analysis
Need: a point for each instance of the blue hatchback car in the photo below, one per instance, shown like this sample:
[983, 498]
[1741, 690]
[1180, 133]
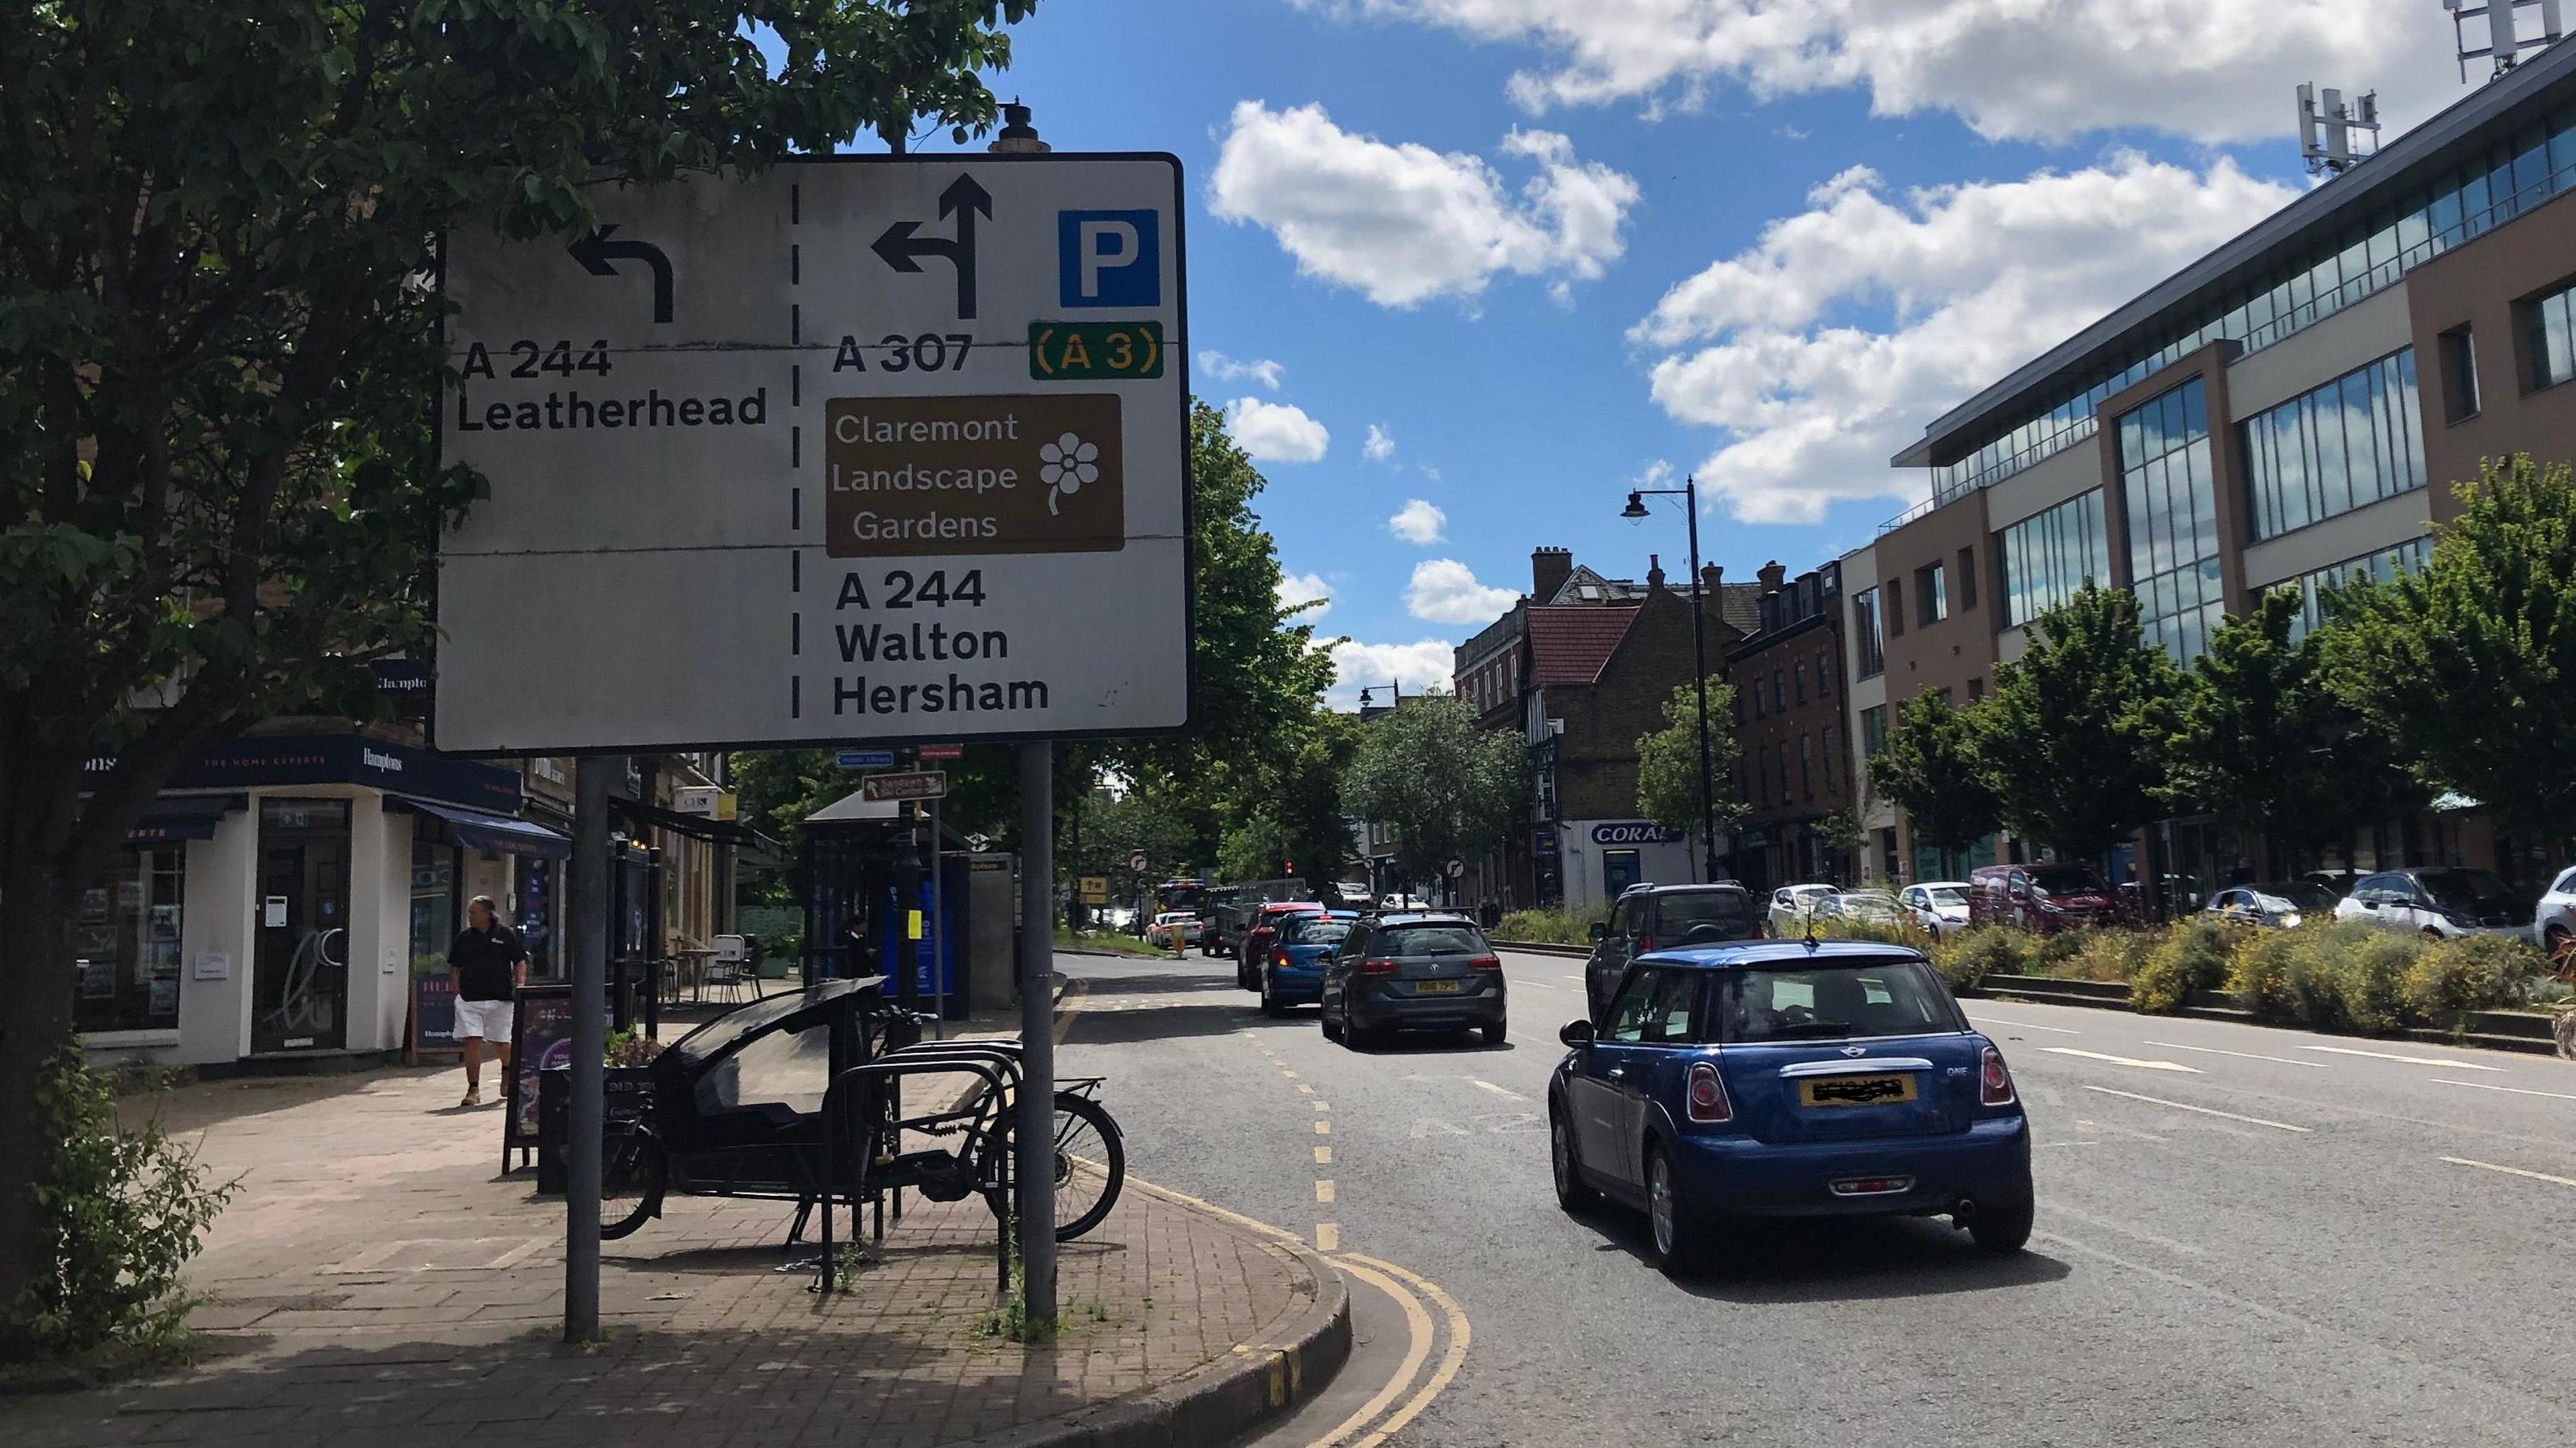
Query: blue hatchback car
[1788, 1079]
[1294, 973]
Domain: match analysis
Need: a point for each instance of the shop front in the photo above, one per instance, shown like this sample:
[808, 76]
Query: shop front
[283, 894]
[1602, 858]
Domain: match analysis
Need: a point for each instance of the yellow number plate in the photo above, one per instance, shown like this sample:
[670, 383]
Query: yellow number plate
[1886, 1090]
[1436, 987]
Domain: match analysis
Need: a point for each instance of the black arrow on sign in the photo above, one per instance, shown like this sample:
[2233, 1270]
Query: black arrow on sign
[902, 250]
[595, 251]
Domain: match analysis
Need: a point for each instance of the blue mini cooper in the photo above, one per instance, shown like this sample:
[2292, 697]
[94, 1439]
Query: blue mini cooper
[1788, 1079]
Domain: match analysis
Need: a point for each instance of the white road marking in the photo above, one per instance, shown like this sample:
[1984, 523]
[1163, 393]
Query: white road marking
[2240, 1055]
[2516, 1090]
[2538, 1176]
[2023, 1026]
[1323, 1156]
[2046, 1144]
[1323, 1128]
[1328, 1237]
[1323, 1106]
[2203, 1110]
[1323, 1191]
[1500, 1090]
[2123, 1060]
[2409, 1060]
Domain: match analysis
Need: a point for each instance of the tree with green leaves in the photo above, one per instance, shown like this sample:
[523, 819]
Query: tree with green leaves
[2250, 741]
[1931, 769]
[2075, 739]
[1668, 762]
[2470, 662]
[1448, 789]
[220, 494]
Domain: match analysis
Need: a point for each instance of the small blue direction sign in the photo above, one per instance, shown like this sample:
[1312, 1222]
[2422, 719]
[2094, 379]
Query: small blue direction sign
[864, 759]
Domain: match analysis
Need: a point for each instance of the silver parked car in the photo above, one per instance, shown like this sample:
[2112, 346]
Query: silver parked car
[1940, 906]
[2439, 903]
[2557, 920]
[1792, 906]
[2282, 906]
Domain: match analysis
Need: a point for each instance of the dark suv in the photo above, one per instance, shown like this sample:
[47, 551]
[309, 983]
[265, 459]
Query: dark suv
[1663, 917]
[1413, 971]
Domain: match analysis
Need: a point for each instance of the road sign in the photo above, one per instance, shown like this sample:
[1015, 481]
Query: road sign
[787, 439]
[864, 759]
[941, 751]
[1455, 869]
[1095, 889]
[1136, 863]
[913, 784]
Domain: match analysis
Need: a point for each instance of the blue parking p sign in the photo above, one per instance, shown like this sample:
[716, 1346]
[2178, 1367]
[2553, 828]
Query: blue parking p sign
[1109, 258]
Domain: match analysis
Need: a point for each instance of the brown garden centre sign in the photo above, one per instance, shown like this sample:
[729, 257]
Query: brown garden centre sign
[881, 448]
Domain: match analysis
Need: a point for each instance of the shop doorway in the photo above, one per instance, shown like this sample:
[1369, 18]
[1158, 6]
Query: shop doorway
[300, 969]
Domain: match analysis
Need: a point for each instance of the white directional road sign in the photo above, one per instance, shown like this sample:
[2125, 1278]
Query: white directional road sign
[881, 448]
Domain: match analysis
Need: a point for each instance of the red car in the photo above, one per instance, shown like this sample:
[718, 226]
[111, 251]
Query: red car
[1260, 928]
[2044, 897]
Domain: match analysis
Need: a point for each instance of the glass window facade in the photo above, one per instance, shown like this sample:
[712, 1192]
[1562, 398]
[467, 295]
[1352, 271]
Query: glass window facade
[2552, 324]
[2048, 556]
[1868, 644]
[2172, 503]
[2445, 209]
[126, 943]
[2383, 565]
[1931, 595]
[2346, 445]
[1873, 731]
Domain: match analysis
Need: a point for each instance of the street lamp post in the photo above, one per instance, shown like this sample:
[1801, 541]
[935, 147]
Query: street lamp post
[1688, 492]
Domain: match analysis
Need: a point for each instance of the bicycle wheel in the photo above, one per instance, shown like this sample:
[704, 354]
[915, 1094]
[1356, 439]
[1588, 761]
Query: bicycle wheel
[631, 1178]
[1090, 1165]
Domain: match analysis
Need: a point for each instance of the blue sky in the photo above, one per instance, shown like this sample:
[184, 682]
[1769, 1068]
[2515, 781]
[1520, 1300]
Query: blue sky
[1549, 247]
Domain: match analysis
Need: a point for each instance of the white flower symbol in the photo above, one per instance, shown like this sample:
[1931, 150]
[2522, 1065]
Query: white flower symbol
[1065, 465]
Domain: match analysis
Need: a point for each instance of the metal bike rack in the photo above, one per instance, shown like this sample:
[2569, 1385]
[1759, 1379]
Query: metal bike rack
[998, 1070]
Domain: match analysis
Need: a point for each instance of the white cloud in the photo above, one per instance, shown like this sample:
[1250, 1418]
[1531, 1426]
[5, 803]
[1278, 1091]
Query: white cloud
[1380, 446]
[1219, 367]
[1405, 223]
[1276, 432]
[2209, 69]
[1977, 278]
[1416, 667]
[1302, 588]
[1443, 590]
[1418, 521]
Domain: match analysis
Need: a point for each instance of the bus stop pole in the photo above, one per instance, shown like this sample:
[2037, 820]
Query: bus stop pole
[588, 926]
[1035, 1130]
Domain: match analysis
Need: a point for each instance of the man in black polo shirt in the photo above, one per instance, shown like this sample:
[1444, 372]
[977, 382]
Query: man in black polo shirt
[490, 963]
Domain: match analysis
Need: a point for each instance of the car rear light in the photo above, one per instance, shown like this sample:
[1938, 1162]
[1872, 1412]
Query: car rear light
[1995, 1083]
[1486, 962]
[1377, 967]
[1708, 1103]
[1645, 942]
[1279, 957]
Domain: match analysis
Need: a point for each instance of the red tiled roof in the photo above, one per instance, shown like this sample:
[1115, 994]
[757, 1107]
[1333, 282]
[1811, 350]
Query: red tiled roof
[1569, 643]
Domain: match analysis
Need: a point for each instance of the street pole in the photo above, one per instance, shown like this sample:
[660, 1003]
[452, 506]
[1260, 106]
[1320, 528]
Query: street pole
[587, 922]
[938, 944]
[1034, 1161]
[1699, 681]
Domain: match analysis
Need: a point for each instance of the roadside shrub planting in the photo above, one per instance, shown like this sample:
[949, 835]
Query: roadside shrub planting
[2367, 979]
[1972, 955]
[2472, 973]
[2108, 956]
[2259, 971]
[1549, 927]
[2055, 954]
[2190, 956]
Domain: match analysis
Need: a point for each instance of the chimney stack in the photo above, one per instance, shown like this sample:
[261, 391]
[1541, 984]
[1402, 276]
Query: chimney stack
[1712, 580]
[1654, 573]
[1773, 576]
[1549, 568]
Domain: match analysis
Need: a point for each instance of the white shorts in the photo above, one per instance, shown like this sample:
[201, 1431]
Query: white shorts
[488, 1019]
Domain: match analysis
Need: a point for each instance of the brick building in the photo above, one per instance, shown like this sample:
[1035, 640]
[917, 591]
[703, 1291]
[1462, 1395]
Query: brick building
[1792, 734]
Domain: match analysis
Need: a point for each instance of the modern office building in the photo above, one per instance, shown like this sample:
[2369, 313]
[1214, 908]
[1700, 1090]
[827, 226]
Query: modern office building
[2289, 410]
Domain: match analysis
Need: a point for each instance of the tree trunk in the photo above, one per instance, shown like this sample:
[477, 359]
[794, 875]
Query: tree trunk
[35, 980]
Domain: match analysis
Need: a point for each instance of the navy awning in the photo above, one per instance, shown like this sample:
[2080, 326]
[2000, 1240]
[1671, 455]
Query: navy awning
[477, 830]
[184, 818]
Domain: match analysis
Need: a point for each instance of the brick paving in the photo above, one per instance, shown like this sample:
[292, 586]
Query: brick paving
[377, 1281]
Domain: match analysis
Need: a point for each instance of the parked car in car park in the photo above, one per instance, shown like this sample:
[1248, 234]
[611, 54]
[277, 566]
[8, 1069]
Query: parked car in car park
[2282, 905]
[1293, 975]
[1352, 892]
[1869, 907]
[2440, 902]
[2556, 918]
[1260, 928]
[1791, 908]
[1652, 917]
[1787, 1079]
[1413, 971]
[1939, 906]
[1174, 928]
[2044, 897]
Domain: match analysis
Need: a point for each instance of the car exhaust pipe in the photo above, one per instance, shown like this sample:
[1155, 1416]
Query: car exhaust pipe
[1964, 1212]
